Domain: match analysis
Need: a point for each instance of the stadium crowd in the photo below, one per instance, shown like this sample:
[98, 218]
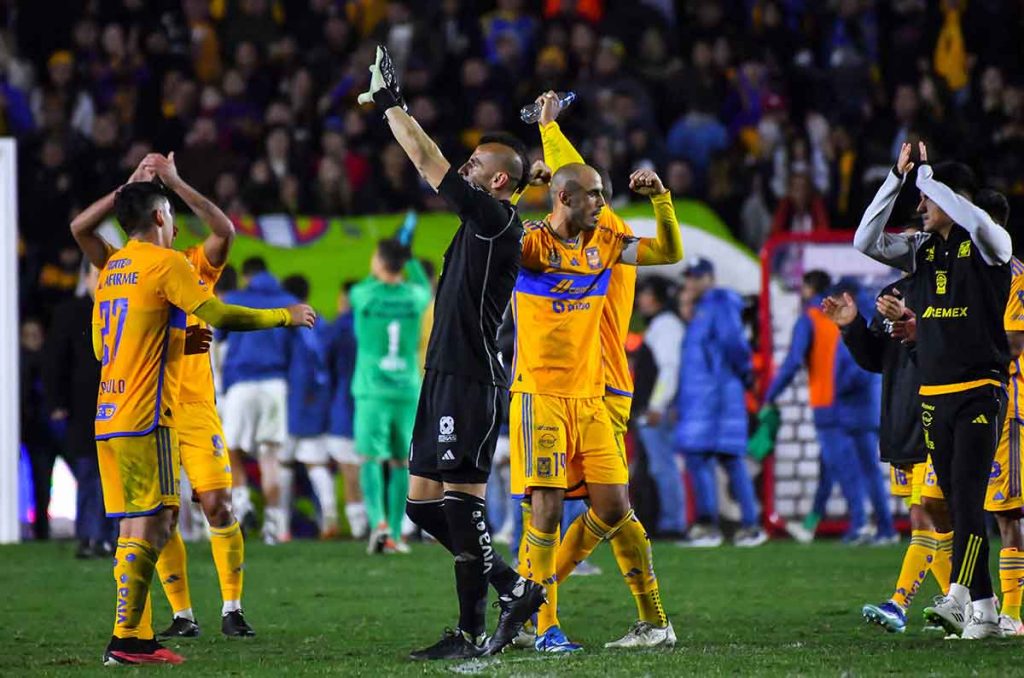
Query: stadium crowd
[782, 115]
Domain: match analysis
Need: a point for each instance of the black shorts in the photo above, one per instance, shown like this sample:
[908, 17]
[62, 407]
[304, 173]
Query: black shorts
[457, 425]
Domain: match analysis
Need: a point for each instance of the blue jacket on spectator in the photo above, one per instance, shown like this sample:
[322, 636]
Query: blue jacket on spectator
[256, 356]
[715, 366]
[309, 384]
[341, 357]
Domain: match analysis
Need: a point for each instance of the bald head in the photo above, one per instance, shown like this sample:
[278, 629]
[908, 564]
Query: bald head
[498, 165]
[573, 177]
[577, 194]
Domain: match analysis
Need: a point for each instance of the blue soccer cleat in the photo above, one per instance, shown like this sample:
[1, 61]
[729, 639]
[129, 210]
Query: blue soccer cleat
[555, 641]
[888, 615]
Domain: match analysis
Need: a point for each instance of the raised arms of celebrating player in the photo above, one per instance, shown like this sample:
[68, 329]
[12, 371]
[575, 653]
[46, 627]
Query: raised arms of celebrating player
[222, 231]
[83, 227]
[994, 243]
[871, 239]
[667, 246]
[216, 245]
[385, 94]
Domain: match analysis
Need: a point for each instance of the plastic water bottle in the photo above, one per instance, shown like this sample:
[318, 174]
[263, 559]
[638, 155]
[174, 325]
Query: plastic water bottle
[530, 113]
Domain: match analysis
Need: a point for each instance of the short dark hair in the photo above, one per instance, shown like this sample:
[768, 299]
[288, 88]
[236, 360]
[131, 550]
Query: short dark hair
[253, 265]
[658, 286]
[297, 285]
[228, 281]
[995, 203]
[513, 142]
[393, 254]
[957, 176]
[134, 205]
[818, 280]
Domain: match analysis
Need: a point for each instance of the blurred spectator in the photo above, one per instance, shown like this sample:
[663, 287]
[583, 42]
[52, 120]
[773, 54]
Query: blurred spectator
[36, 433]
[663, 337]
[72, 378]
[714, 374]
[802, 210]
[76, 103]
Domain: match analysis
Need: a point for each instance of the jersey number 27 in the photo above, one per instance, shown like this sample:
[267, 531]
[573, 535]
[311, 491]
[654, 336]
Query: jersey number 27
[113, 311]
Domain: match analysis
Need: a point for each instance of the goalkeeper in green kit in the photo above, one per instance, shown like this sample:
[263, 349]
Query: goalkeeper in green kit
[388, 308]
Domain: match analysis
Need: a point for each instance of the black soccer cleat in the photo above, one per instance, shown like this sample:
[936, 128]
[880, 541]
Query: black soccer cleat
[517, 607]
[137, 651]
[180, 628]
[453, 645]
[233, 624]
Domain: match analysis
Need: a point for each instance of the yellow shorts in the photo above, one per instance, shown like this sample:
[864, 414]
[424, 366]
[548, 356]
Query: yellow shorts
[139, 473]
[204, 453]
[563, 443]
[919, 482]
[1004, 482]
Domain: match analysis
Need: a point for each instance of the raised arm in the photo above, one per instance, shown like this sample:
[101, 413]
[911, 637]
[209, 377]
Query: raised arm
[994, 243]
[386, 94]
[667, 245]
[222, 231]
[803, 335]
[558, 150]
[84, 226]
[894, 249]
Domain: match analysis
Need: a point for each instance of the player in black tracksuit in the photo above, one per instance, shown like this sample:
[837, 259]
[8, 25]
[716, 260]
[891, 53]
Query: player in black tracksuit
[881, 347]
[464, 397]
[961, 283]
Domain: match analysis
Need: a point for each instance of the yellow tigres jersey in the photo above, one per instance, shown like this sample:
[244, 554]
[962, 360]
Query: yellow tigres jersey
[143, 296]
[618, 308]
[196, 371]
[558, 304]
[1013, 321]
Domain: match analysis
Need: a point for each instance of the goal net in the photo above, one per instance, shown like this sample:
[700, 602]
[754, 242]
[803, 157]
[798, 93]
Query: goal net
[791, 478]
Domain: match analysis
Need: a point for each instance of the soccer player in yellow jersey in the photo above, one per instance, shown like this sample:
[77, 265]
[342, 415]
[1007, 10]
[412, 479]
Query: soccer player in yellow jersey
[1004, 497]
[562, 437]
[145, 292]
[201, 437]
[582, 536]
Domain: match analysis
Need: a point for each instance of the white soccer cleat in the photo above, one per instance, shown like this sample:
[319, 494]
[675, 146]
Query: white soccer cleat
[702, 537]
[947, 613]
[798, 532]
[378, 538]
[750, 537]
[976, 629]
[1010, 627]
[644, 635]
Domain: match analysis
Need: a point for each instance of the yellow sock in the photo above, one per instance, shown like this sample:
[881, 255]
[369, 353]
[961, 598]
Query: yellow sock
[146, 623]
[229, 556]
[579, 541]
[632, 551]
[134, 562]
[539, 560]
[916, 562]
[172, 567]
[942, 565]
[523, 566]
[1011, 572]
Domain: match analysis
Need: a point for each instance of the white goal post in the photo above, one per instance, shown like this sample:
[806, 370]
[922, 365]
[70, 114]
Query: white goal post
[10, 434]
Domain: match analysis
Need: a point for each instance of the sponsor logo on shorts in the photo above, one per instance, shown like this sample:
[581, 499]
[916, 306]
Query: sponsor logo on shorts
[218, 445]
[543, 467]
[547, 440]
[448, 456]
[997, 470]
[105, 411]
[446, 430]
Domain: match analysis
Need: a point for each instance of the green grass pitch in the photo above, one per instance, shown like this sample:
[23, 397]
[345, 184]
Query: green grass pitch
[328, 609]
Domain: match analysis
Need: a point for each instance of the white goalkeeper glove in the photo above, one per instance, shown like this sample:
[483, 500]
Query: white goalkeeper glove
[384, 91]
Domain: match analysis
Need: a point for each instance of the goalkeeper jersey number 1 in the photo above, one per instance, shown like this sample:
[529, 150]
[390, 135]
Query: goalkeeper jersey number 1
[388, 320]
